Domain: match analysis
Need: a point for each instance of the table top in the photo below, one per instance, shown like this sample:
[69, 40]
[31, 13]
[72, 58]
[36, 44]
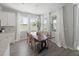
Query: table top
[42, 37]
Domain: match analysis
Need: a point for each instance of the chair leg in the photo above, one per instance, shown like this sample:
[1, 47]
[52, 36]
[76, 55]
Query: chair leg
[47, 44]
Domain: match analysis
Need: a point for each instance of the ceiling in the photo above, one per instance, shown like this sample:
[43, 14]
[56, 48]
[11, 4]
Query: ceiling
[35, 8]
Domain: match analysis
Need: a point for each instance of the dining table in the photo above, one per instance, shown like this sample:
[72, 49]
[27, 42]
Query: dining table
[42, 40]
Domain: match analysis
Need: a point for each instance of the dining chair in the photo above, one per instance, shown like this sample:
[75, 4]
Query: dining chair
[29, 39]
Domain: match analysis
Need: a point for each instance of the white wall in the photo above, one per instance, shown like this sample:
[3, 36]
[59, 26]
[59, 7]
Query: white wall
[68, 24]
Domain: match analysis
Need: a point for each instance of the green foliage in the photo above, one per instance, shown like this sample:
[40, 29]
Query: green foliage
[38, 23]
[34, 24]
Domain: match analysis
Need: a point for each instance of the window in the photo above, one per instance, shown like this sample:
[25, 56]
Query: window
[54, 23]
[27, 23]
[24, 24]
[33, 23]
[24, 20]
[45, 24]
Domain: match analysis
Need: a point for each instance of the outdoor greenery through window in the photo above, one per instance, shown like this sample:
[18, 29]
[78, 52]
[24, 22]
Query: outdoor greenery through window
[33, 23]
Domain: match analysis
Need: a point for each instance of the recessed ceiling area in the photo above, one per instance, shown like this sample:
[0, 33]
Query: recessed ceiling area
[35, 8]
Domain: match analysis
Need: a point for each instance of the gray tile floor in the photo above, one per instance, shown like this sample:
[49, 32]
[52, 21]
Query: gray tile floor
[21, 48]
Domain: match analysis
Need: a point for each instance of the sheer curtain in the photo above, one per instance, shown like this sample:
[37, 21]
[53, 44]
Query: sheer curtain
[33, 23]
[76, 27]
[22, 26]
[59, 33]
[45, 22]
[25, 23]
[61, 28]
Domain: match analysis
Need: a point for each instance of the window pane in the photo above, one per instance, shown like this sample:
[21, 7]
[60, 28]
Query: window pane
[33, 23]
[25, 20]
[45, 24]
[54, 24]
[24, 24]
